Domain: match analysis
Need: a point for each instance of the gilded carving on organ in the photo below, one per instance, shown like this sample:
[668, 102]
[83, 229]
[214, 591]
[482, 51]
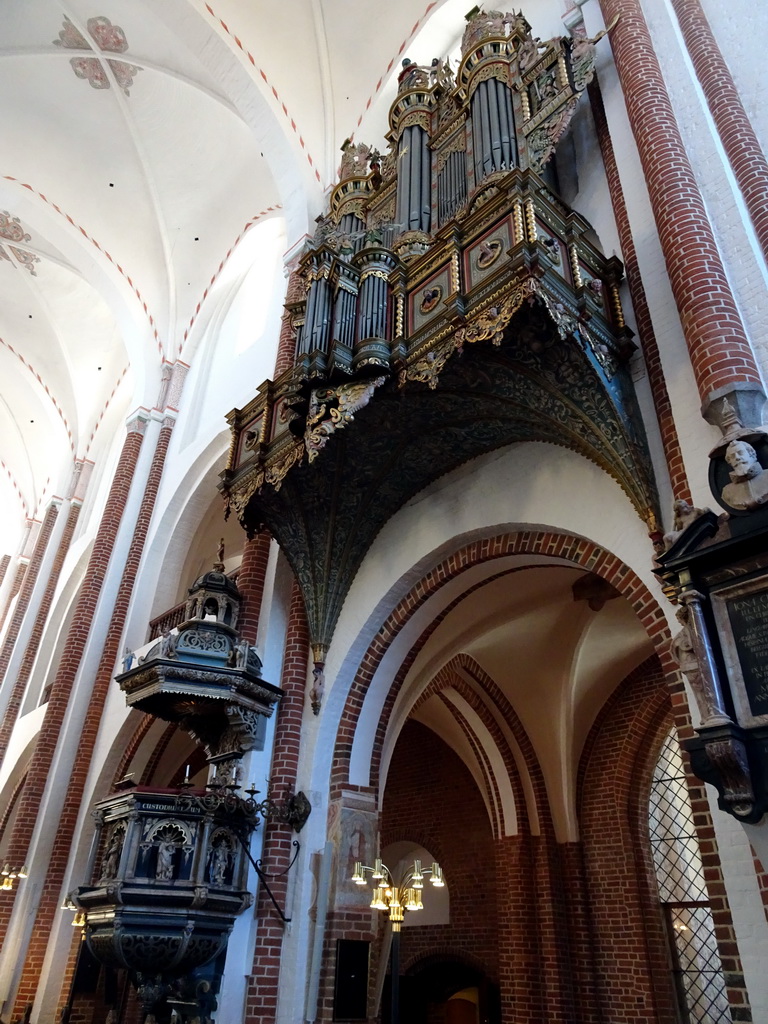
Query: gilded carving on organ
[488, 253]
[354, 160]
[430, 298]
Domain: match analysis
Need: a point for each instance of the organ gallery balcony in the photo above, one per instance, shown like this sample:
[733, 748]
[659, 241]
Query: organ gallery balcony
[449, 303]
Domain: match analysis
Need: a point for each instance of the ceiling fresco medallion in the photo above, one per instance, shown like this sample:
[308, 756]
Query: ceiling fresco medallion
[10, 228]
[107, 37]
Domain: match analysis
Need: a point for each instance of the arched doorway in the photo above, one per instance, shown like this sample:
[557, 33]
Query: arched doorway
[448, 990]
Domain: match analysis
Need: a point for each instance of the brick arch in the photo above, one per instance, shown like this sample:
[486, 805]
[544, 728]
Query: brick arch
[579, 551]
[495, 708]
[132, 747]
[12, 804]
[442, 955]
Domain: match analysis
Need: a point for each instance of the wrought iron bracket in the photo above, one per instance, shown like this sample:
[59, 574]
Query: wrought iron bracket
[263, 877]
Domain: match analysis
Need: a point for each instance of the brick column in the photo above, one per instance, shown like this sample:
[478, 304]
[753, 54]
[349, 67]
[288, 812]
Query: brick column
[18, 579]
[33, 644]
[733, 125]
[72, 654]
[250, 583]
[286, 346]
[519, 955]
[25, 593]
[580, 937]
[65, 827]
[552, 926]
[648, 343]
[261, 999]
[5, 561]
[721, 355]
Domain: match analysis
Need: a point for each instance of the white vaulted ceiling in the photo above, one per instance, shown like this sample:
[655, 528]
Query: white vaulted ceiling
[141, 139]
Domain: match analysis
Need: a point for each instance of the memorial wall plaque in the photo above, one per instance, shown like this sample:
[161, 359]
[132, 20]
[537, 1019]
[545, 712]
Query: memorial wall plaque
[741, 613]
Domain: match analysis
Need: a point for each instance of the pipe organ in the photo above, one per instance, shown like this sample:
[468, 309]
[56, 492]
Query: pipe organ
[451, 243]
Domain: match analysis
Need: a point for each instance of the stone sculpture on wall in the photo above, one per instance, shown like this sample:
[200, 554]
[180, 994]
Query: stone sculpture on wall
[749, 481]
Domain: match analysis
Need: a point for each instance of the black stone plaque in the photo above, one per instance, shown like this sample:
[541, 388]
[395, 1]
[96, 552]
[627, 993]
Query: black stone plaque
[748, 616]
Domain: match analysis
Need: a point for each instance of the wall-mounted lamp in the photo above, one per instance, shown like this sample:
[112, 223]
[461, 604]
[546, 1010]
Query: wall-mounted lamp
[9, 872]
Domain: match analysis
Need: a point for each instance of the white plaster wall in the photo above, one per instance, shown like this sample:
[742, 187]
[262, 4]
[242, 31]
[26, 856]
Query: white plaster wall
[741, 29]
[746, 905]
[744, 265]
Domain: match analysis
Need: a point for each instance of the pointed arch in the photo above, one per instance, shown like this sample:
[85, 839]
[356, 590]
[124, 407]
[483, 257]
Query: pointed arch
[547, 547]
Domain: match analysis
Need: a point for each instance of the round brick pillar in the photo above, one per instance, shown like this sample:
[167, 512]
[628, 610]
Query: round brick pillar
[71, 657]
[647, 335]
[286, 348]
[261, 999]
[746, 157]
[25, 593]
[721, 355]
[33, 644]
[250, 583]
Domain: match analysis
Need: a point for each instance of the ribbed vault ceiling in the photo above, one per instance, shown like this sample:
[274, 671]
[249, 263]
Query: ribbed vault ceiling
[140, 141]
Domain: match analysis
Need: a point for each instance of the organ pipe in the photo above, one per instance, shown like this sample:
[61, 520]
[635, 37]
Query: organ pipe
[413, 180]
[452, 186]
[492, 129]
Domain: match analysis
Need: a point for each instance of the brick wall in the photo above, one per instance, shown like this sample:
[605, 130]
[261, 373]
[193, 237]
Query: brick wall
[33, 643]
[262, 988]
[614, 786]
[432, 800]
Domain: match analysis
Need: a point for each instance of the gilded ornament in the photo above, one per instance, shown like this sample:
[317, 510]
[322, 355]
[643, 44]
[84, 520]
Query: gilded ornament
[487, 253]
[498, 71]
[428, 369]
[430, 297]
[332, 409]
[399, 316]
[414, 117]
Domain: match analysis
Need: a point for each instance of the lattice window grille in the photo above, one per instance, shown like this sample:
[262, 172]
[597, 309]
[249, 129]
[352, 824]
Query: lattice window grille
[682, 891]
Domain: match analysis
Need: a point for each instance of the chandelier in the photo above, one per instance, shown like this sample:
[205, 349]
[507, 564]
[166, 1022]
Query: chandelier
[398, 897]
